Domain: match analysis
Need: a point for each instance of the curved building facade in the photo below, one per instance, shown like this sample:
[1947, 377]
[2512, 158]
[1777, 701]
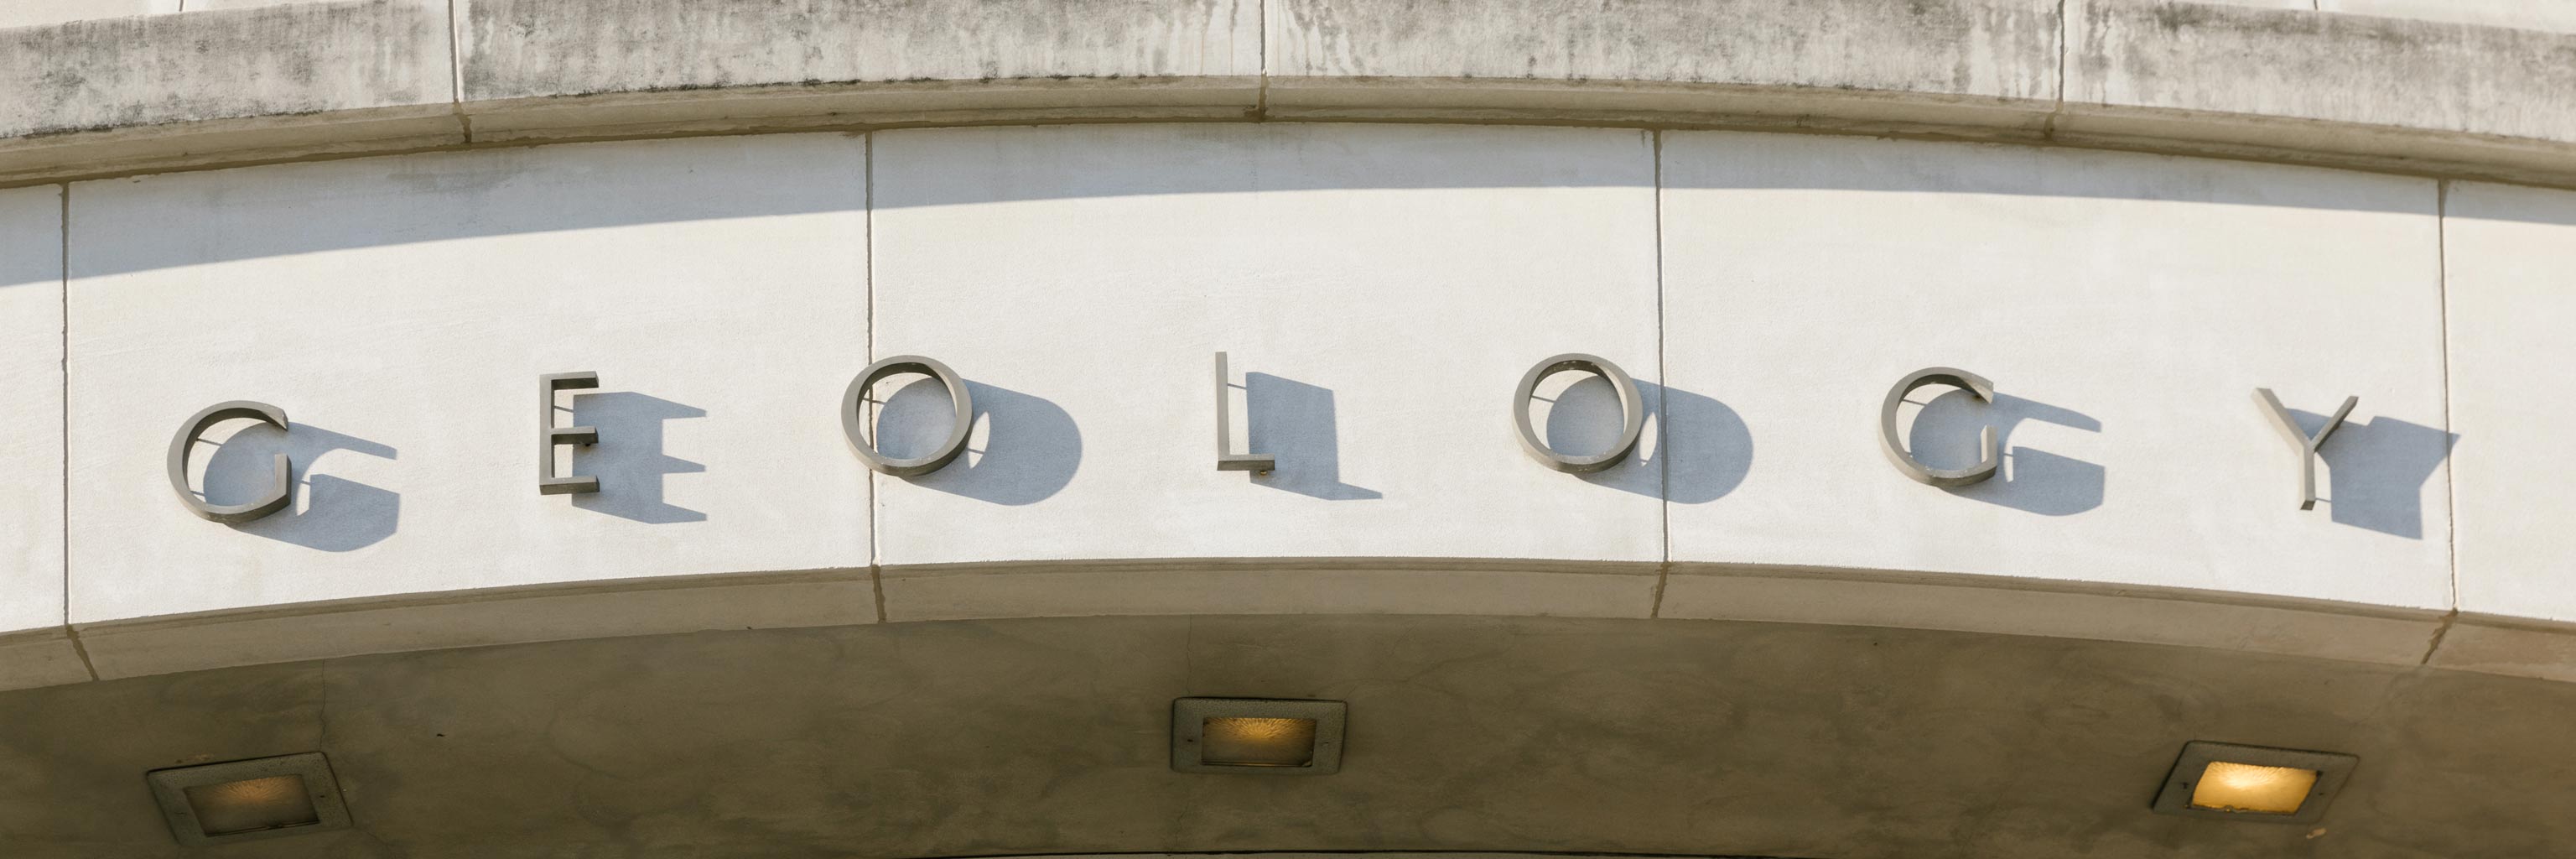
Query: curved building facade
[1830, 428]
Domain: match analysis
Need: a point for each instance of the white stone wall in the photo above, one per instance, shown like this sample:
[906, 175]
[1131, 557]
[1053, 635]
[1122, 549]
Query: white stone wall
[400, 310]
[2125, 308]
[2510, 263]
[33, 649]
[1380, 289]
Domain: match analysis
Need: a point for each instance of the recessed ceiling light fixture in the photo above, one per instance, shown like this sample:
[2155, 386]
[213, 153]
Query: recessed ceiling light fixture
[244, 800]
[1259, 736]
[2253, 783]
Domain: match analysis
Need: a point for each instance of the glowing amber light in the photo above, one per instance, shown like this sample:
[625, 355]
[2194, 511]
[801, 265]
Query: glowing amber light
[251, 805]
[1244, 741]
[2258, 789]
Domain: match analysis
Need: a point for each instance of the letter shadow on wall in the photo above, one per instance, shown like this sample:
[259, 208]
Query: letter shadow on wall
[628, 459]
[1024, 449]
[2375, 471]
[1297, 424]
[1584, 419]
[1945, 435]
[331, 514]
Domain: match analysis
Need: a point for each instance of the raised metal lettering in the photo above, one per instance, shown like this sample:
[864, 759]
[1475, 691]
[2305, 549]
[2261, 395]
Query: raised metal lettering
[1632, 409]
[549, 435]
[853, 423]
[280, 470]
[2307, 444]
[1225, 460]
[1895, 447]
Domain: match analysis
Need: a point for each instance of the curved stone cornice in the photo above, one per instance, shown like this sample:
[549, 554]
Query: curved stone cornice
[238, 86]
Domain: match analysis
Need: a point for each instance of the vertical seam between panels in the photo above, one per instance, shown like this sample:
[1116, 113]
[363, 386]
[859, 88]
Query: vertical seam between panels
[2450, 472]
[1261, 50]
[2048, 125]
[1664, 394]
[63, 277]
[456, 74]
[868, 279]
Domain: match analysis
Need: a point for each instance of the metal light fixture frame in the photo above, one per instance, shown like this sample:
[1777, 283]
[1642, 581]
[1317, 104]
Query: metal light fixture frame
[1189, 721]
[2332, 771]
[170, 789]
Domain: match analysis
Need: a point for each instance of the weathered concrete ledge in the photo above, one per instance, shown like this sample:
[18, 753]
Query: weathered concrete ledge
[238, 86]
[164, 91]
[2416, 96]
[2230, 622]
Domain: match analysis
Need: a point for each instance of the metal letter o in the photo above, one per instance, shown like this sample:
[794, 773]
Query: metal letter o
[229, 514]
[1632, 409]
[852, 424]
[1905, 462]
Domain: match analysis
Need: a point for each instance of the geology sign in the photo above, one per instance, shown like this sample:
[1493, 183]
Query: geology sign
[1632, 407]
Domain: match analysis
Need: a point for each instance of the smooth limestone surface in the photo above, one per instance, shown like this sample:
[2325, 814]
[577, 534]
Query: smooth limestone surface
[717, 286]
[2125, 307]
[31, 372]
[1380, 289]
[2509, 261]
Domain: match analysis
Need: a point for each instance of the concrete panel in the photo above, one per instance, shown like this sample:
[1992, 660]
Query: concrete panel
[2053, 609]
[1268, 586]
[209, 5]
[2557, 16]
[1381, 289]
[2125, 307]
[40, 657]
[649, 63]
[477, 618]
[2511, 646]
[31, 440]
[2510, 280]
[2335, 85]
[1334, 57]
[717, 286]
[1536, 734]
[97, 96]
[254, 81]
[169, 69]
[86, 797]
[30, 13]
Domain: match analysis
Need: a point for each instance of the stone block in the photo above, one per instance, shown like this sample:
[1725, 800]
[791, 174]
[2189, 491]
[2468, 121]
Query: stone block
[549, 67]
